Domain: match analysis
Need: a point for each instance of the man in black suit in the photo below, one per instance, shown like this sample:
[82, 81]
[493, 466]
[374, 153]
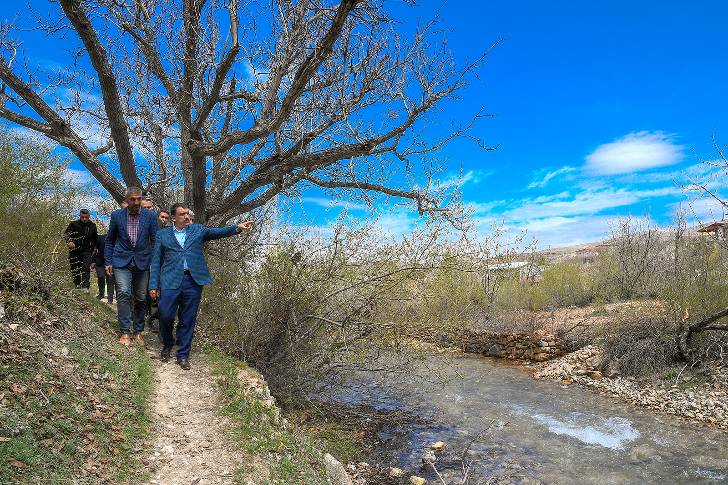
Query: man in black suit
[80, 239]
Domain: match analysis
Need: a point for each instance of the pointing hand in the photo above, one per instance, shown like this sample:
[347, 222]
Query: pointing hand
[245, 226]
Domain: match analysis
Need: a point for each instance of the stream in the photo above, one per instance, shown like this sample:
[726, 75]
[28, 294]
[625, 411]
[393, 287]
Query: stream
[503, 426]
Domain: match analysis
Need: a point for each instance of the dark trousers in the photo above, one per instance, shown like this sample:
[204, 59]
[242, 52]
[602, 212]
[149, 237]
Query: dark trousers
[80, 263]
[186, 301]
[105, 282]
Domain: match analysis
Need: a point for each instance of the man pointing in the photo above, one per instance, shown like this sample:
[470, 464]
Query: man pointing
[178, 273]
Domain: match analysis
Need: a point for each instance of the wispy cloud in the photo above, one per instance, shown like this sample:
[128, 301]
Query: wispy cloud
[634, 152]
[567, 231]
[586, 202]
[542, 177]
[575, 216]
[702, 210]
[80, 178]
[458, 180]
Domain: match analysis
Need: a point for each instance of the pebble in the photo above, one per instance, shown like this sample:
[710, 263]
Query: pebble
[438, 446]
[396, 472]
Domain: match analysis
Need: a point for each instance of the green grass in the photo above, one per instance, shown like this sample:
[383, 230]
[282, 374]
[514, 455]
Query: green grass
[285, 453]
[74, 404]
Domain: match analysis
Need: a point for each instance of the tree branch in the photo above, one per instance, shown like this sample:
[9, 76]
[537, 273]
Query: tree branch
[109, 90]
[222, 70]
[303, 75]
[424, 202]
[56, 129]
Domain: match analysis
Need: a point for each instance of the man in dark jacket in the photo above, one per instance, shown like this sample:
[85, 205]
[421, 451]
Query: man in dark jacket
[127, 255]
[81, 238]
[105, 281]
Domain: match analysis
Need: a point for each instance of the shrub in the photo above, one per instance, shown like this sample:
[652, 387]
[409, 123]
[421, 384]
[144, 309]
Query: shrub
[515, 295]
[565, 284]
[450, 295]
[640, 346]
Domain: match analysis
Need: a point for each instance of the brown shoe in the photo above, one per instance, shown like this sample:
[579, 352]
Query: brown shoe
[138, 339]
[125, 339]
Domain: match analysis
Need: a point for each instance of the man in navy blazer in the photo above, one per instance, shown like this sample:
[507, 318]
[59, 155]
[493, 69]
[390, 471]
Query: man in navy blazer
[127, 255]
[178, 273]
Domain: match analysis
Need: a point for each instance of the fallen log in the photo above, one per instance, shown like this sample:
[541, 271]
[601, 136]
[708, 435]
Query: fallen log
[687, 330]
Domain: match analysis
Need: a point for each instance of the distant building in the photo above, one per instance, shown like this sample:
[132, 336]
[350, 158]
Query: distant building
[526, 270]
[718, 229]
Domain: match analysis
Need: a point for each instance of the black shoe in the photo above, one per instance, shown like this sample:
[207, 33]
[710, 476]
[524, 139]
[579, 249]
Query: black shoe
[99, 297]
[184, 363]
[166, 353]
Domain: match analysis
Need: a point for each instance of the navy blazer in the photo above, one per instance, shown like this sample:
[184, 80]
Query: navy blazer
[167, 269]
[119, 252]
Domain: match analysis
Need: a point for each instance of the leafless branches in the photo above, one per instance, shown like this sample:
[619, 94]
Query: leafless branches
[198, 93]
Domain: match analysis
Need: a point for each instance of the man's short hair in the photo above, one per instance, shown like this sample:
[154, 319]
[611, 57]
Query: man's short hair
[84, 212]
[173, 210]
[164, 210]
[133, 190]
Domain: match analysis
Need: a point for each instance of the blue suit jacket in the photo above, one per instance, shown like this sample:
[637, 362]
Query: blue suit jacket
[119, 252]
[167, 269]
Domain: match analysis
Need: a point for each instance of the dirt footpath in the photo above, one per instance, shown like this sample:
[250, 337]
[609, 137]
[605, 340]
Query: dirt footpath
[188, 445]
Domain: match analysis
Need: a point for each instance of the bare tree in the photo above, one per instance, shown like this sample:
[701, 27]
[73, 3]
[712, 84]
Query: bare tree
[637, 247]
[238, 101]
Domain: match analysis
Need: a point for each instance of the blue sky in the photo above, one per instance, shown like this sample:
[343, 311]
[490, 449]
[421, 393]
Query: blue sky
[601, 110]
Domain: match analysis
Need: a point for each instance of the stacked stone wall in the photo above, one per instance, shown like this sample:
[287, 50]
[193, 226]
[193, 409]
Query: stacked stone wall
[514, 346]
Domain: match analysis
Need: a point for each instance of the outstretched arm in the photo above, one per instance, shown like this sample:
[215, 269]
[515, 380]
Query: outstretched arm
[212, 233]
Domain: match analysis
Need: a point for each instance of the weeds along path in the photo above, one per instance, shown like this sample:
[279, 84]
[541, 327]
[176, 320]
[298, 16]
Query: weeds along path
[188, 444]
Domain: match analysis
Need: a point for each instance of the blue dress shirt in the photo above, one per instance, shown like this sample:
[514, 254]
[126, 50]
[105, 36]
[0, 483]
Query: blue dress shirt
[181, 236]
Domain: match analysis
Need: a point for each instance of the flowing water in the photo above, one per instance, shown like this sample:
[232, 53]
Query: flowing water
[509, 428]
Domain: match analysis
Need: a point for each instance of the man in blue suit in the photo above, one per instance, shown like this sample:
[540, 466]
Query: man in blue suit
[127, 255]
[178, 273]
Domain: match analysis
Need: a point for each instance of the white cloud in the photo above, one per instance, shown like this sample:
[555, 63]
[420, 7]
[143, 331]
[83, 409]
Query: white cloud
[458, 180]
[542, 177]
[479, 208]
[32, 135]
[586, 202]
[398, 222]
[568, 217]
[634, 152]
[568, 231]
[702, 210]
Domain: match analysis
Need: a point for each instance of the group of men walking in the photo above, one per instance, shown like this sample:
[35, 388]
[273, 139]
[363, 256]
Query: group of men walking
[143, 259]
